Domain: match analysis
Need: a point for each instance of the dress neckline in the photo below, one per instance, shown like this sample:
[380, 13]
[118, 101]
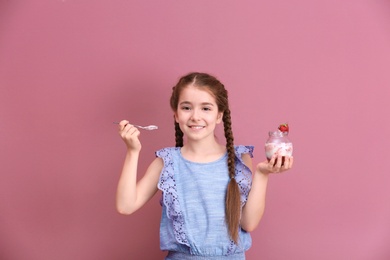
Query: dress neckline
[202, 163]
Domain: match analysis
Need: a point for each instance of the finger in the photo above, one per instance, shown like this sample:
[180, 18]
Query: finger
[122, 124]
[126, 131]
[272, 162]
[278, 163]
[291, 162]
[288, 162]
[132, 131]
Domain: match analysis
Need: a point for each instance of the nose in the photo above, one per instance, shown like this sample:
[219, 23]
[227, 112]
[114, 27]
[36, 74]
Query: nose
[195, 115]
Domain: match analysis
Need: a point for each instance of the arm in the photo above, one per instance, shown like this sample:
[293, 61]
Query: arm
[254, 208]
[132, 195]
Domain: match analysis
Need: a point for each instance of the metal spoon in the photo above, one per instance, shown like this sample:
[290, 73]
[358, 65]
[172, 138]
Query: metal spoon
[148, 127]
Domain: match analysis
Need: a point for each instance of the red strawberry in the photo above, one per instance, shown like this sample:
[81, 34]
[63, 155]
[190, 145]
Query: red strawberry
[283, 128]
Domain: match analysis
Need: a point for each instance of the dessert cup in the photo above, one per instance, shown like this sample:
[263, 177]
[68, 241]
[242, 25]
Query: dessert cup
[278, 143]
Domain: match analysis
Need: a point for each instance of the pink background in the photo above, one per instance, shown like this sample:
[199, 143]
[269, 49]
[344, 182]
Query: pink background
[69, 68]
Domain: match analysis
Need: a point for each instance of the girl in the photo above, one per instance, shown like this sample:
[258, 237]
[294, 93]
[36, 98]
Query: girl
[210, 198]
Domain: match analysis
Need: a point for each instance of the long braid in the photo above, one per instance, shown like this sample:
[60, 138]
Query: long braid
[178, 135]
[233, 197]
[174, 103]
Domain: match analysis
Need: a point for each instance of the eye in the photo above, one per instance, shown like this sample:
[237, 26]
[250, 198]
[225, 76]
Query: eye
[207, 108]
[185, 108]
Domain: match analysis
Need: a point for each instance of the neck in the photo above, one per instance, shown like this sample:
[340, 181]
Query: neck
[203, 151]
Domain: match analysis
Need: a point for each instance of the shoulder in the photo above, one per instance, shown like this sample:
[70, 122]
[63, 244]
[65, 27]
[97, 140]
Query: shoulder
[247, 159]
[244, 149]
[166, 152]
[245, 154]
[157, 164]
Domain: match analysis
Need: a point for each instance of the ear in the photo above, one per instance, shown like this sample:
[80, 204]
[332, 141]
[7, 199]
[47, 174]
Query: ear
[219, 117]
[175, 116]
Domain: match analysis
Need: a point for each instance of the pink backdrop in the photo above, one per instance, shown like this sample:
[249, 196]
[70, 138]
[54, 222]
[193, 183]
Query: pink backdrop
[69, 68]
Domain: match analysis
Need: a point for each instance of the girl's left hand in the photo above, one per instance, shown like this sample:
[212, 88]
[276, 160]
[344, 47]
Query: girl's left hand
[277, 164]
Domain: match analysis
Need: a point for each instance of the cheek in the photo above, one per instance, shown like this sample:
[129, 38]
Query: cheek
[180, 117]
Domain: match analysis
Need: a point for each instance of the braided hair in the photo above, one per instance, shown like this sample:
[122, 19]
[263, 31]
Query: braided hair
[217, 89]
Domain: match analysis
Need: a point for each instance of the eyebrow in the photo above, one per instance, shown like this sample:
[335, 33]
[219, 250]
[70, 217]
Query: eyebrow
[203, 104]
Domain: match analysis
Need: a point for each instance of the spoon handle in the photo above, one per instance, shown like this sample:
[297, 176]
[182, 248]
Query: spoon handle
[149, 127]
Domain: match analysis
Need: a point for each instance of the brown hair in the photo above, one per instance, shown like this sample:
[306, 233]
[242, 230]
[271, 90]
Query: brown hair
[217, 89]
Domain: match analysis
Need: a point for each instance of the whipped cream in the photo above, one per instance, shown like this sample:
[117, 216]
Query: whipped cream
[283, 149]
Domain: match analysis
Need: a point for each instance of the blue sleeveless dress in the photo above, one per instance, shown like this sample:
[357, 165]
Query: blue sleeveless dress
[193, 206]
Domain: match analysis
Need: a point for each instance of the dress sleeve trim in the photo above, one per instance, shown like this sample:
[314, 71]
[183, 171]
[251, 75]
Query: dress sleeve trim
[243, 174]
[167, 184]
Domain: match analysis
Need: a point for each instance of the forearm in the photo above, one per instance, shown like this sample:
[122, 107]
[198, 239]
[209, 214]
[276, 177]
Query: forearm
[254, 208]
[126, 191]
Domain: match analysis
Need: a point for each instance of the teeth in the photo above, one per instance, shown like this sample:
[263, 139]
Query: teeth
[196, 127]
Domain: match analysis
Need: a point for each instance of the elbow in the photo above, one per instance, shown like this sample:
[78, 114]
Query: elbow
[249, 227]
[250, 224]
[123, 210]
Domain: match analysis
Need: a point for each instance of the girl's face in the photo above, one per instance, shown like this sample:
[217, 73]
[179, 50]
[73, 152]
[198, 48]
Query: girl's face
[197, 113]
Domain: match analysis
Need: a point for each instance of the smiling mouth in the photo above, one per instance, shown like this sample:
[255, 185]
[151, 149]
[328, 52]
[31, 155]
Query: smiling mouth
[196, 126]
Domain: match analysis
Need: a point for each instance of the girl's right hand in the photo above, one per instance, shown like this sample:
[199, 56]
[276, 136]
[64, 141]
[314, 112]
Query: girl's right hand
[129, 134]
